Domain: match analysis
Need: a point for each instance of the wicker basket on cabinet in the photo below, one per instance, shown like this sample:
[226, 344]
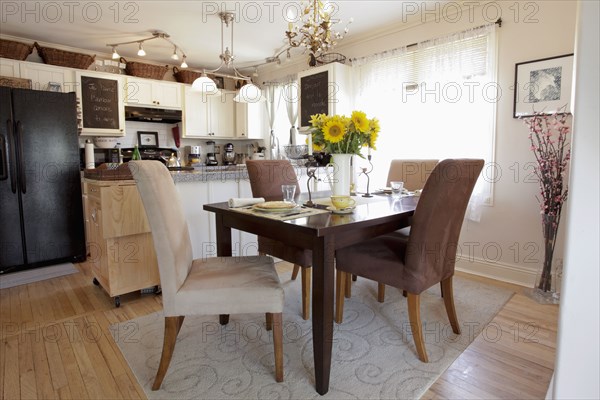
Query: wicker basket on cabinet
[64, 58]
[185, 75]
[14, 50]
[142, 70]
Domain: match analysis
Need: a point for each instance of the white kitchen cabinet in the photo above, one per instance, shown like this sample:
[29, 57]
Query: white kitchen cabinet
[153, 93]
[193, 195]
[250, 120]
[10, 68]
[42, 75]
[206, 116]
[101, 98]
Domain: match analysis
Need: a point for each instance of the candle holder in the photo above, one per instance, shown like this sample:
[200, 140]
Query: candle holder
[366, 173]
[311, 169]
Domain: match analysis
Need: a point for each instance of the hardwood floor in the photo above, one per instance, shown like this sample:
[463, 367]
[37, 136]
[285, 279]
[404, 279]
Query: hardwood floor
[56, 343]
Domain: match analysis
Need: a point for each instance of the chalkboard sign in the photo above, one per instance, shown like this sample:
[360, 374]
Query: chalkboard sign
[100, 103]
[314, 90]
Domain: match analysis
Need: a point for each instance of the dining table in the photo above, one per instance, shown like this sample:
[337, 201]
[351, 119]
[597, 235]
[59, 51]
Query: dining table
[323, 233]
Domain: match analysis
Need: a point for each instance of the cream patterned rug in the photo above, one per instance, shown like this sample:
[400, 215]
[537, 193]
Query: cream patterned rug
[373, 352]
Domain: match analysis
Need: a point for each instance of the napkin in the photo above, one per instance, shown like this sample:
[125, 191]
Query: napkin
[243, 202]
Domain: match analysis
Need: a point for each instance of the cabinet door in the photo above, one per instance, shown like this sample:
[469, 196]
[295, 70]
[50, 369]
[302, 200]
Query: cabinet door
[193, 196]
[195, 114]
[48, 77]
[139, 92]
[167, 94]
[223, 191]
[250, 120]
[248, 241]
[9, 68]
[222, 115]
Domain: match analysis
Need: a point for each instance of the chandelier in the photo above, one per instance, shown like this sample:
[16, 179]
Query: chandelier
[249, 92]
[314, 32]
[141, 52]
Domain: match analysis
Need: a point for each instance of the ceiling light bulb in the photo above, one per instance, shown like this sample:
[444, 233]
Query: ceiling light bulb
[115, 55]
[205, 85]
[175, 56]
[183, 63]
[249, 93]
[141, 51]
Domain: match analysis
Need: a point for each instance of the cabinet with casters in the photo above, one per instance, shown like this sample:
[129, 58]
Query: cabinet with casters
[152, 93]
[121, 250]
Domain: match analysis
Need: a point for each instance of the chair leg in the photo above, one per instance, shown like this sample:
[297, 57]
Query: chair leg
[278, 346]
[295, 271]
[269, 321]
[404, 293]
[224, 319]
[306, 272]
[449, 303]
[348, 288]
[354, 278]
[380, 292]
[172, 326]
[442, 289]
[340, 281]
[414, 316]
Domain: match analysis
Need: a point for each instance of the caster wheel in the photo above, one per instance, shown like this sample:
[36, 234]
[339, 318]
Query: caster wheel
[117, 302]
[157, 290]
[95, 282]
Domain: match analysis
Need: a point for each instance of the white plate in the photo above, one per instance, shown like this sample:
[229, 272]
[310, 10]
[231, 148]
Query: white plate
[342, 211]
[276, 210]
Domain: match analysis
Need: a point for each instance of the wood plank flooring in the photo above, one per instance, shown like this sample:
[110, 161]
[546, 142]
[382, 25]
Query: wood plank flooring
[56, 343]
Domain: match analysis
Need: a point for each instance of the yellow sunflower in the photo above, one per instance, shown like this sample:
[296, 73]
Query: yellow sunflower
[375, 128]
[373, 139]
[360, 121]
[316, 120]
[334, 129]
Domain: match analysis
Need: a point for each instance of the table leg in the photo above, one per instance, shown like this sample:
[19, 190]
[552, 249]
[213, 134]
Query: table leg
[223, 237]
[322, 310]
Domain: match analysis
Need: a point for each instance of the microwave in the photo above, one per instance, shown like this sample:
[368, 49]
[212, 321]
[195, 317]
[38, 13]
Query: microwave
[101, 156]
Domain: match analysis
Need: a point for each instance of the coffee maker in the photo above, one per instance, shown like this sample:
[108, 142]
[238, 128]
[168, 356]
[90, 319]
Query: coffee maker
[211, 156]
[229, 155]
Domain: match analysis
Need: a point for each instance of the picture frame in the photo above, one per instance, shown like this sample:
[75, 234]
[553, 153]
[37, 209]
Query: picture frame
[220, 82]
[147, 139]
[543, 86]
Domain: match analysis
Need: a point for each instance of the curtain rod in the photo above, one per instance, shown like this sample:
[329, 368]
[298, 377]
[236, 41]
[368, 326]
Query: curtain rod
[355, 59]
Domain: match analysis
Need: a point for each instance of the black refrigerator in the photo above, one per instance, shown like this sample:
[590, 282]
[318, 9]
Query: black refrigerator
[41, 217]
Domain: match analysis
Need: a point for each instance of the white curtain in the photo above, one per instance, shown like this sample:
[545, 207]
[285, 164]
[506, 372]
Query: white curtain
[291, 102]
[435, 100]
[271, 96]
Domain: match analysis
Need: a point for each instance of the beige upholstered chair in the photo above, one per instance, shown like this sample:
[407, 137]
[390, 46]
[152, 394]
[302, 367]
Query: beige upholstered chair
[223, 285]
[429, 255]
[266, 178]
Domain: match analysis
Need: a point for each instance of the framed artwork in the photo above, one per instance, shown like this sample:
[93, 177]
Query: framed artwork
[147, 139]
[543, 86]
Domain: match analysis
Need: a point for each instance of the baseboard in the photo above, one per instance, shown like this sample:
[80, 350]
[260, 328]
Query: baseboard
[517, 275]
[36, 275]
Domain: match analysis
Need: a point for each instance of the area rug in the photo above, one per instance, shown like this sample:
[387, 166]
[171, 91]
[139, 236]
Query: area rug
[36, 275]
[374, 356]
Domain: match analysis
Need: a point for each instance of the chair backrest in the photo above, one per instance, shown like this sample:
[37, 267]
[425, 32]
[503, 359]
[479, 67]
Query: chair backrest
[413, 173]
[438, 218]
[169, 228]
[267, 176]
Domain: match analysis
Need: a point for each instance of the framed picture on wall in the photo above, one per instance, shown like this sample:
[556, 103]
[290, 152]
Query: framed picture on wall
[543, 86]
[147, 139]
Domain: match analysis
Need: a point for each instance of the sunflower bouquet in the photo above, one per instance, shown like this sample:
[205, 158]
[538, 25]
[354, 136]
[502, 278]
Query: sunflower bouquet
[339, 134]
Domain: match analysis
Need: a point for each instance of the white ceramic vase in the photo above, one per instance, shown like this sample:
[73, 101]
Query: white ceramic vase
[340, 177]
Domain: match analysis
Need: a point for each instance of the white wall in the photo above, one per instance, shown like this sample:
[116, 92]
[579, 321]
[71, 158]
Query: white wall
[578, 353]
[512, 225]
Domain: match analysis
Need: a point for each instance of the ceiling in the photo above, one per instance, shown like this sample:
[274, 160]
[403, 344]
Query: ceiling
[193, 25]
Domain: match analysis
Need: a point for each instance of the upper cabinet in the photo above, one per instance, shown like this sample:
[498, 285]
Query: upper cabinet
[10, 68]
[325, 90]
[49, 77]
[208, 116]
[153, 93]
[250, 120]
[101, 99]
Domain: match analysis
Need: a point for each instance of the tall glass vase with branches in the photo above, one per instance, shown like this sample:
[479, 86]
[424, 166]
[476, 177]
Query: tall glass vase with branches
[548, 135]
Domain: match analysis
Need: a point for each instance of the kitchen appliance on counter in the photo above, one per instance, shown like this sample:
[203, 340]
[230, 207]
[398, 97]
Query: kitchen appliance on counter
[40, 183]
[101, 156]
[211, 156]
[229, 155]
[194, 156]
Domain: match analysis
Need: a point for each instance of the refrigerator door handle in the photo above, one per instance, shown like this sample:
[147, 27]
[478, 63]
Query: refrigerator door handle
[21, 167]
[12, 153]
[3, 159]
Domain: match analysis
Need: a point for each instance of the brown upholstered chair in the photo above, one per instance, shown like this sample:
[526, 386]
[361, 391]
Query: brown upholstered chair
[429, 255]
[266, 178]
[210, 286]
[413, 173]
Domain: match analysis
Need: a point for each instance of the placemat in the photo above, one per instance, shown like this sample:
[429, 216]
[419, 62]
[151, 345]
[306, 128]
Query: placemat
[293, 214]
